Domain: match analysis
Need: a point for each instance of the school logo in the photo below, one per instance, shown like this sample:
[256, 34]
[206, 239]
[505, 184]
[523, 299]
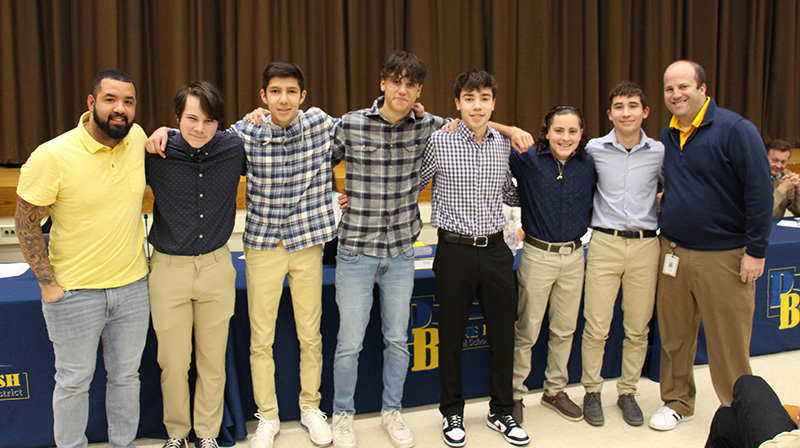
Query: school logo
[783, 297]
[13, 385]
[424, 338]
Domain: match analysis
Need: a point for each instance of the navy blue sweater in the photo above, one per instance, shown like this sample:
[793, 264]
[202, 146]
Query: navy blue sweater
[717, 191]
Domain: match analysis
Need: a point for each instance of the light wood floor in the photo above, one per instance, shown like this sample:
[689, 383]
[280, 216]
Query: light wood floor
[547, 429]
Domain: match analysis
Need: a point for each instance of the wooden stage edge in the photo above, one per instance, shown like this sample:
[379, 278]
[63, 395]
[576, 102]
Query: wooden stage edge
[10, 176]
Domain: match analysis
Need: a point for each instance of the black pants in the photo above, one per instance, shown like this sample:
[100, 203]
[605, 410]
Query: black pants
[756, 415]
[462, 273]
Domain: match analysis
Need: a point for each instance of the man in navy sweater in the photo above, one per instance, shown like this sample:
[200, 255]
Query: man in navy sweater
[715, 222]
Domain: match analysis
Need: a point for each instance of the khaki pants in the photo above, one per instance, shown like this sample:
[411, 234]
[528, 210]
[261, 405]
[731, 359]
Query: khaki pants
[707, 286]
[547, 277]
[634, 263]
[266, 270]
[192, 294]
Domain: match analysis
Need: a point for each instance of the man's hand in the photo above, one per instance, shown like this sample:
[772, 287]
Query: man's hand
[452, 126]
[255, 116]
[520, 140]
[157, 142]
[419, 110]
[789, 182]
[751, 268]
[343, 200]
[51, 292]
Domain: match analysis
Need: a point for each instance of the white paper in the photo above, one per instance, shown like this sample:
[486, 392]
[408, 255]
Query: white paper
[425, 263]
[8, 270]
[790, 223]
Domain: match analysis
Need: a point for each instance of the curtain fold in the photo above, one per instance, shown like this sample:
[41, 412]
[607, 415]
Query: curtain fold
[542, 52]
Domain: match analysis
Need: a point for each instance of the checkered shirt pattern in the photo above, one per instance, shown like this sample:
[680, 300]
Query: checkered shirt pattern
[289, 181]
[382, 162]
[471, 181]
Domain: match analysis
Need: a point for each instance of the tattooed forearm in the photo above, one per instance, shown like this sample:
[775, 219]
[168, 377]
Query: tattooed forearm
[28, 220]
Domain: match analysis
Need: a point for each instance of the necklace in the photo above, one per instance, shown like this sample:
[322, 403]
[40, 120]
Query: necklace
[560, 170]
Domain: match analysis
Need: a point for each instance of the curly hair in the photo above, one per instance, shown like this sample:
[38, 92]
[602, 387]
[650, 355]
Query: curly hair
[542, 142]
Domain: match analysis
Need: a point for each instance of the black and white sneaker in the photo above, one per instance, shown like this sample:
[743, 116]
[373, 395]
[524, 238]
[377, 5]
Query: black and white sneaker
[453, 430]
[512, 432]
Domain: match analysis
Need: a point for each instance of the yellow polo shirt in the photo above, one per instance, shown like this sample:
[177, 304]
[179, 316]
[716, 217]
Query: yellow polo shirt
[95, 198]
[698, 120]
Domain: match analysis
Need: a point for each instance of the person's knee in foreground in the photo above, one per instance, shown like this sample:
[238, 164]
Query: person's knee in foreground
[754, 419]
[556, 171]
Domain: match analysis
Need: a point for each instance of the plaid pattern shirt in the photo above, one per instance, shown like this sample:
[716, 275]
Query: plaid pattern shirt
[471, 181]
[382, 162]
[289, 181]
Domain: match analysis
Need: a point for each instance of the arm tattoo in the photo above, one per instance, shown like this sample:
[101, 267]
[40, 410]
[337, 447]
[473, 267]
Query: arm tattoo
[28, 220]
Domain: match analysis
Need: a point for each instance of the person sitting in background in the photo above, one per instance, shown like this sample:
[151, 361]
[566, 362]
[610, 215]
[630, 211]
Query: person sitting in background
[755, 418]
[786, 183]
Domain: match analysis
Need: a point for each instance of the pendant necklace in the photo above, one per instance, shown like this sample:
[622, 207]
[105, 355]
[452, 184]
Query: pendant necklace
[560, 170]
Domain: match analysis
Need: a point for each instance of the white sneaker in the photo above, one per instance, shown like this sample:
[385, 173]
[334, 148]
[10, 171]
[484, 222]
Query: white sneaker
[344, 436]
[315, 421]
[665, 419]
[265, 433]
[398, 431]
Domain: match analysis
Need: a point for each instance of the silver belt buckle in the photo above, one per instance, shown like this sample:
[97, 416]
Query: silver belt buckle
[475, 240]
[565, 250]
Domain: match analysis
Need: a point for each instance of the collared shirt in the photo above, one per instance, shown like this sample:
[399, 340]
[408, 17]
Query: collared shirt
[382, 162]
[195, 194]
[627, 182]
[289, 181]
[94, 194]
[674, 123]
[470, 181]
[554, 210]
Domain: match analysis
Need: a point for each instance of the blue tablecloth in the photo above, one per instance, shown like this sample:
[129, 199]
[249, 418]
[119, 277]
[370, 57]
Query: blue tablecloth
[26, 355]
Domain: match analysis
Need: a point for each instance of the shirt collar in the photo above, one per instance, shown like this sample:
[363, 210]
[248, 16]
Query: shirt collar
[611, 138]
[375, 111]
[698, 120]
[205, 150]
[469, 134]
[92, 145]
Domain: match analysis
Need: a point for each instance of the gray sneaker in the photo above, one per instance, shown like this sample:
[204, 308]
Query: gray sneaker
[593, 409]
[631, 412]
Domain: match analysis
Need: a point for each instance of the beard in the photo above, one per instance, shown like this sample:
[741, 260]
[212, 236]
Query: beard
[113, 131]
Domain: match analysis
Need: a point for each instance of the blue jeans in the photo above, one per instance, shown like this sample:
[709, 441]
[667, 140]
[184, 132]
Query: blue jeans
[356, 276]
[76, 323]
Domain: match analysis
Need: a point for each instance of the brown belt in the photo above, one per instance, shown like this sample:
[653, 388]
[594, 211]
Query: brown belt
[559, 248]
[639, 234]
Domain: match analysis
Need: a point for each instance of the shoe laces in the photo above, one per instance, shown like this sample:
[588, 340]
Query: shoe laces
[314, 416]
[174, 443]
[455, 421]
[509, 421]
[206, 443]
[266, 428]
[396, 422]
[344, 425]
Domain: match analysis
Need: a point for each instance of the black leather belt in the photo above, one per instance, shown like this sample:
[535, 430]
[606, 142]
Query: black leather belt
[639, 234]
[477, 241]
[559, 248]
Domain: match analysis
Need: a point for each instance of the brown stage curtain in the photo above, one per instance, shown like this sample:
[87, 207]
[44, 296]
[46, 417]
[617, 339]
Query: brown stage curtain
[543, 53]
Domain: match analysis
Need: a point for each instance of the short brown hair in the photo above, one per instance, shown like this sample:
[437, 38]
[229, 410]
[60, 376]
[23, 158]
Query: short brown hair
[627, 89]
[210, 100]
[779, 145]
[474, 80]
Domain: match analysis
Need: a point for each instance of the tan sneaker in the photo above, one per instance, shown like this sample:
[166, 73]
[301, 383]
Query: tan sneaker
[398, 431]
[344, 436]
[265, 433]
[316, 422]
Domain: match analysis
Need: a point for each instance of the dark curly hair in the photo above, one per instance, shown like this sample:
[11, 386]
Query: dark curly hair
[542, 142]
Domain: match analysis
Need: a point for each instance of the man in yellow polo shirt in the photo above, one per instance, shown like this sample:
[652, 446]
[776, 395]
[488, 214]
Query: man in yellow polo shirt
[94, 286]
